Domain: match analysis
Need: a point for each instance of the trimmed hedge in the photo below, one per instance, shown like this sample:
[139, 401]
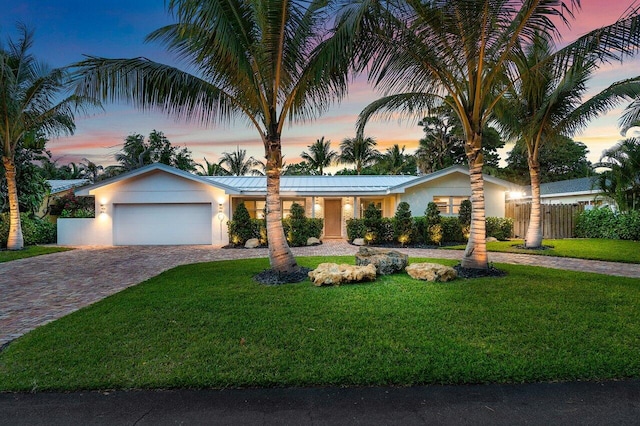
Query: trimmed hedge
[429, 229]
[605, 223]
[297, 228]
[34, 230]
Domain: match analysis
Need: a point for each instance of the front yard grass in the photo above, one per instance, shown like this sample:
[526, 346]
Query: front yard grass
[29, 251]
[210, 326]
[582, 248]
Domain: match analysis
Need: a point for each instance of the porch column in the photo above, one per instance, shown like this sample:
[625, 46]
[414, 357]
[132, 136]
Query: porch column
[313, 207]
[356, 207]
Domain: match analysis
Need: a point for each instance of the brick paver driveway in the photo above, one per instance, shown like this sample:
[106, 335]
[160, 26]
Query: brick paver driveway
[40, 289]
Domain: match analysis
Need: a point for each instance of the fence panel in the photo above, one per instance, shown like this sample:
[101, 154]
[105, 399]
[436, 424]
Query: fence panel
[558, 220]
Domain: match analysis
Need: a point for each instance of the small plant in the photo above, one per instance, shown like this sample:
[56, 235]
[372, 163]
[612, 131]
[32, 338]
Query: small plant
[241, 227]
[464, 217]
[402, 223]
[373, 222]
[355, 229]
[433, 219]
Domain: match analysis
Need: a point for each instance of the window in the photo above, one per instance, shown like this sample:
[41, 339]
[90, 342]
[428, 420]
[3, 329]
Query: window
[255, 207]
[364, 203]
[448, 204]
[286, 205]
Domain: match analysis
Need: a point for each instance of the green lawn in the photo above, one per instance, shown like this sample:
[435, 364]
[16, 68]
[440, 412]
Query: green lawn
[587, 248]
[30, 251]
[210, 326]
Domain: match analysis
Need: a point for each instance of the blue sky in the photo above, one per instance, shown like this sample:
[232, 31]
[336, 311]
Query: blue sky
[67, 29]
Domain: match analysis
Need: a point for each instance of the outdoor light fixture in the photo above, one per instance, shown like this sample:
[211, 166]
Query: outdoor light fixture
[103, 209]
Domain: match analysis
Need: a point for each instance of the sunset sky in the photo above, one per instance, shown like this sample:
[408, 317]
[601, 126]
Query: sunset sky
[67, 29]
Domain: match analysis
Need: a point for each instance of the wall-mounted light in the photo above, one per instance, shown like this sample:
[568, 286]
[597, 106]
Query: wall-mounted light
[347, 205]
[220, 208]
[317, 206]
[103, 209]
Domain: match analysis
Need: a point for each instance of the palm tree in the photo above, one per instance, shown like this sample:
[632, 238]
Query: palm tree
[320, 155]
[621, 180]
[92, 170]
[395, 162]
[359, 151]
[211, 169]
[545, 104]
[459, 52]
[270, 62]
[238, 164]
[30, 104]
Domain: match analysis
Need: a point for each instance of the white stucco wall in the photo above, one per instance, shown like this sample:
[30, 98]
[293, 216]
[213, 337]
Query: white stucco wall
[155, 187]
[456, 185]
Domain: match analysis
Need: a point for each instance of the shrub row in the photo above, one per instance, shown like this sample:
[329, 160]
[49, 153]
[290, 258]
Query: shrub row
[605, 223]
[428, 229]
[297, 227]
[34, 230]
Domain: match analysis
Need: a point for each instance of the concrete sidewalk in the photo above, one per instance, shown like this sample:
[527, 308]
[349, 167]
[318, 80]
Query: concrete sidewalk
[532, 404]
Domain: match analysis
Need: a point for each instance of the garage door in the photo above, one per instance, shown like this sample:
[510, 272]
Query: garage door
[162, 224]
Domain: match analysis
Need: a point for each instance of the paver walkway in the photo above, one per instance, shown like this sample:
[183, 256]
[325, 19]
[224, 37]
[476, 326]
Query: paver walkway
[40, 289]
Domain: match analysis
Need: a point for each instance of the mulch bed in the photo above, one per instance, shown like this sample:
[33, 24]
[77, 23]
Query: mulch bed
[271, 277]
[478, 273]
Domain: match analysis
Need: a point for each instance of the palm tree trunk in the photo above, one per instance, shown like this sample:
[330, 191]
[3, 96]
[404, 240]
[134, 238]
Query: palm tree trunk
[534, 231]
[15, 240]
[475, 255]
[281, 258]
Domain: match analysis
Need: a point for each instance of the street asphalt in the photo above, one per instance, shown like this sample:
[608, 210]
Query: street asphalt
[574, 403]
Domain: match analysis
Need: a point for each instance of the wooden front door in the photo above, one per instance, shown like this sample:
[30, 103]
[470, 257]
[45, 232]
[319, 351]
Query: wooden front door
[332, 218]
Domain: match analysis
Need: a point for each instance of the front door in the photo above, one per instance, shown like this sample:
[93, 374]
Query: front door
[332, 218]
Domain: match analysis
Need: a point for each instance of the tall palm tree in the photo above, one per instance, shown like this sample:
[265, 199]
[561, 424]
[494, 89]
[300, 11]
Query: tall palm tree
[395, 162]
[211, 169]
[29, 104]
[268, 61]
[92, 170]
[459, 52]
[238, 164]
[320, 155]
[545, 104]
[621, 180]
[359, 151]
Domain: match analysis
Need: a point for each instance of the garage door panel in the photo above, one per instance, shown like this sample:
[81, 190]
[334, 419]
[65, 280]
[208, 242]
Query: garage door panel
[162, 224]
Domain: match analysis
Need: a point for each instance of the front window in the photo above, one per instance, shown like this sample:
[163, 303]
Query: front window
[364, 203]
[449, 205]
[256, 207]
[286, 205]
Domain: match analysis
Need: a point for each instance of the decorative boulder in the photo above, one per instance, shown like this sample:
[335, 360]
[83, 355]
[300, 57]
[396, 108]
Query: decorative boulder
[334, 274]
[492, 239]
[386, 261]
[431, 272]
[312, 241]
[358, 241]
[252, 243]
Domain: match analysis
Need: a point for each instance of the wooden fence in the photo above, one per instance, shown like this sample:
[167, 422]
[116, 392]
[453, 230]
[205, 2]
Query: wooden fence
[558, 220]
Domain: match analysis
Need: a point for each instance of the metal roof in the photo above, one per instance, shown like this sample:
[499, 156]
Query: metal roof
[564, 187]
[348, 184]
[60, 185]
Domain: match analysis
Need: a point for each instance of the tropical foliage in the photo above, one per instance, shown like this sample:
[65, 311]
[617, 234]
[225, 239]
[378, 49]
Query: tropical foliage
[33, 106]
[359, 151]
[621, 179]
[269, 62]
[320, 155]
[136, 153]
[237, 163]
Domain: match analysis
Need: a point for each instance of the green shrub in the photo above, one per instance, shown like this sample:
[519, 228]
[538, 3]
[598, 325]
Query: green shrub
[433, 219]
[464, 217]
[298, 228]
[499, 227]
[34, 230]
[452, 230]
[71, 206]
[386, 230]
[372, 221]
[295, 226]
[605, 223]
[355, 229]
[419, 229]
[403, 223]
[241, 228]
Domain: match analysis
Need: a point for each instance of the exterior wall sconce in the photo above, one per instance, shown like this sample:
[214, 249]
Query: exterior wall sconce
[103, 209]
[220, 209]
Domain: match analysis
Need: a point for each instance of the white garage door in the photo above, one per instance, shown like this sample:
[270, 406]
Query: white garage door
[161, 224]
